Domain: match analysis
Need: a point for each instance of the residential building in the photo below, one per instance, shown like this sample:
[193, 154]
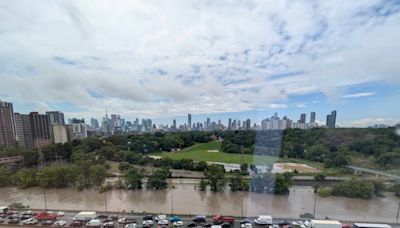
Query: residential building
[302, 118]
[60, 133]
[331, 120]
[189, 120]
[312, 117]
[7, 125]
[40, 129]
[55, 117]
[24, 130]
[94, 124]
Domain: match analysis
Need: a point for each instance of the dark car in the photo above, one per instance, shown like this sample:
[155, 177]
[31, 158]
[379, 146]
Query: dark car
[25, 216]
[13, 221]
[47, 222]
[13, 216]
[76, 223]
[102, 216]
[114, 217]
[226, 225]
[147, 217]
[199, 219]
[208, 225]
[191, 224]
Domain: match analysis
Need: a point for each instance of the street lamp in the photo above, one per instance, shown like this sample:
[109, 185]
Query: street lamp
[242, 205]
[315, 199]
[105, 201]
[172, 202]
[45, 200]
[397, 216]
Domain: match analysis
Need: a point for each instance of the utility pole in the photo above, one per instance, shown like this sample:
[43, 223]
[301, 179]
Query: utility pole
[105, 201]
[397, 216]
[45, 200]
[242, 205]
[315, 200]
[172, 202]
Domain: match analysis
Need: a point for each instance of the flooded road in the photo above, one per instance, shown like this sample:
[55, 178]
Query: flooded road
[185, 199]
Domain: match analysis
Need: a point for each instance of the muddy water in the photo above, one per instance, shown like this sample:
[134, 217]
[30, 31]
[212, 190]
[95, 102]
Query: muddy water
[187, 200]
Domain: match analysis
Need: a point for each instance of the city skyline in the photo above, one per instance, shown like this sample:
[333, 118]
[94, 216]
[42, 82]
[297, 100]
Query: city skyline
[256, 58]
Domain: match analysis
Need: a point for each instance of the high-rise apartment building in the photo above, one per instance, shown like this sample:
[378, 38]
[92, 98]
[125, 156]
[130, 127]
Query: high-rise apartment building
[302, 118]
[94, 124]
[174, 124]
[331, 120]
[24, 130]
[55, 117]
[60, 133]
[312, 117]
[40, 129]
[7, 125]
[248, 124]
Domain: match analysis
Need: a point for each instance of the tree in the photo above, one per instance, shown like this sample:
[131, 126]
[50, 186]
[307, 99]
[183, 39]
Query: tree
[5, 177]
[97, 175]
[215, 175]
[26, 178]
[237, 183]
[203, 185]
[354, 188]
[123, 166]
[158, 179]
[201, 166]
[133, 178]
[282, 183]
[319, 177]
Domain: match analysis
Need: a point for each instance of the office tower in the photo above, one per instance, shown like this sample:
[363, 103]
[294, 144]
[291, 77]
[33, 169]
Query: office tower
[40, 129]
[55, 117]
[312, 117]
[113, 120]
[208, 124]
[77, 121]
[189, 120]
[94, 123]
[229, 124]
[7, 125]
[331, 120]
[248, 124]
[174, 124]
[24, 130]
[302, 118]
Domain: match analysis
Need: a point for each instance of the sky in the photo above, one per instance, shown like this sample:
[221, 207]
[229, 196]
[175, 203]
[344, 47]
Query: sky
[218, 59]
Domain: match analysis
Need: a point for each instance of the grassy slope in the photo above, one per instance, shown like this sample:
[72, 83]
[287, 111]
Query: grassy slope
[199, 153]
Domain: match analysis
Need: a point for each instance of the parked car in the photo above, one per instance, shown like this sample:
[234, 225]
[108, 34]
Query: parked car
[114, 217]
[199, 219]
[246, 223]
[11, 212]
[191, 224]
[175, 219]
[177, 224]
[219, 219]
[60, 223]
[47, 222]
[2, 215]
[30, 221]
[263, 220]
[94, 223]
[13, 220]
[108, 224]
[147, 217]
[131, 225]
[226, 225]
[102, 216]
[24, 216]
[163, 222]
[60, 213]
[1, 220]
[207, 225]
[126, 220]
[76, 223]
[160, 217]
[12, 216]
[147, 222]
[28, 212]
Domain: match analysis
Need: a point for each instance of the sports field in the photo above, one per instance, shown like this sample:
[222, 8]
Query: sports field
[207, 152]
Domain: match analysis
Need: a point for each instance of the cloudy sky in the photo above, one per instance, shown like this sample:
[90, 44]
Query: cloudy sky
[164, 59]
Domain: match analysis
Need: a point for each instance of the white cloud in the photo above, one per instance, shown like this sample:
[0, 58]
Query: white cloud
[214, 56]
[367, 122]
[355, 95]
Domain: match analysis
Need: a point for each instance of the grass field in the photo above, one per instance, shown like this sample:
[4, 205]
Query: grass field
[200, 152]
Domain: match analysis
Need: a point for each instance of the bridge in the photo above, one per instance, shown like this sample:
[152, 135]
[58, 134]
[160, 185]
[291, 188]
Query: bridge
[372, 171]
[12, 161]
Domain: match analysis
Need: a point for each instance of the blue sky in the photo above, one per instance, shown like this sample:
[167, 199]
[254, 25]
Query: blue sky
[218, 59]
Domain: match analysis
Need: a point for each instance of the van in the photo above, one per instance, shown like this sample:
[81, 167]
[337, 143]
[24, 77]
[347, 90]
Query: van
[263, 220]
[94, 223]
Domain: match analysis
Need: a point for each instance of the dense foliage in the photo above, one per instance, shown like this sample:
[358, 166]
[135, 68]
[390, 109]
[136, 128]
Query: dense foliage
[355, 188]
[271, 183]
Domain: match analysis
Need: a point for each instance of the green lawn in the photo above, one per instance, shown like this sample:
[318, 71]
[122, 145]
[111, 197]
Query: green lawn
[200, 152]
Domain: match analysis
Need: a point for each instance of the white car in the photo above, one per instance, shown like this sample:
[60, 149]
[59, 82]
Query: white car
[263, 220]
[163, 222]
[30, 221]
[60, 213]
[246, 225]
[160, 217]
[131, 225]
[147, 222]
[178, 223]
[60, 223]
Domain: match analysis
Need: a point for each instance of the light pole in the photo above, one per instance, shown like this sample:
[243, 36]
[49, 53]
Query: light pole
[315, 199]
[242, 205]
[45, 200]
[397, 216]
[172, 203]
[105, 201]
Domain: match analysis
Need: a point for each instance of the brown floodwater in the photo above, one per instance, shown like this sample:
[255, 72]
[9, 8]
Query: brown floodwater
[185, 199]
